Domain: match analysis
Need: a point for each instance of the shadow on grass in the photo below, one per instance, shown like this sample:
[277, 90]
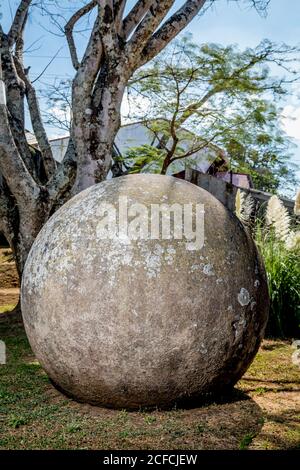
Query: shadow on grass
[282, 430]
[273, 346]
[34, 415]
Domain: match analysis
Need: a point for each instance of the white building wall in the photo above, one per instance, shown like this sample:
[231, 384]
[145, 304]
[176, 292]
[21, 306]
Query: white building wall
[135, 135]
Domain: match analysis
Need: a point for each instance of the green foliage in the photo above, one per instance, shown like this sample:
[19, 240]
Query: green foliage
[283, 271]
[16, 421]
[143, 159]
[262, 150]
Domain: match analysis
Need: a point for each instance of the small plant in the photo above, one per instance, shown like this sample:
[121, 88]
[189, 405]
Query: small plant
[123, 416]
[244, 207]
[16, 421]
[278, 219]
[124, 434]
[260, 390]
[246, 441]
[200, 428]
[149, 419]
[74, 427]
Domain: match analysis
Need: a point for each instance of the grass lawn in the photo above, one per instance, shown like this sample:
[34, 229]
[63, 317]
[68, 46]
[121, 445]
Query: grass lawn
[263, 413]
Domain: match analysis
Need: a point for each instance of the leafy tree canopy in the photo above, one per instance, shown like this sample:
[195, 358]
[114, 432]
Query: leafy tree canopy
[192, 96]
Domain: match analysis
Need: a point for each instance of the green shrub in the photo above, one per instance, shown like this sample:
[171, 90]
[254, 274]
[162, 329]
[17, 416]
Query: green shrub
[279, 244]
[283, 271]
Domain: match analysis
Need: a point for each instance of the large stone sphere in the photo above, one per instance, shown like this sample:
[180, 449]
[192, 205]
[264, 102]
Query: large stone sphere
[128, 318]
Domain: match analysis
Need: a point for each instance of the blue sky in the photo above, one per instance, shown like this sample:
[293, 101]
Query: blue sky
[226, 22]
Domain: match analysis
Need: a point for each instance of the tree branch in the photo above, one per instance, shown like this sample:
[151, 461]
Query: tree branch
[206, 142]
[69, 28]
[91, 60]
[18, 22]
[194, 107]
[19, 50]
[15, 91]
[171, 28]
[37, 123]
[6, 226]
[145, 29]
[119, 7]
[108, 27]
[64, 178]
[12, 167]
[135, 16]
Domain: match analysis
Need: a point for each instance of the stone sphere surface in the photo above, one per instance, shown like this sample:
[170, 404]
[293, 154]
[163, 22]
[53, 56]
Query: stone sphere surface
[126, 321]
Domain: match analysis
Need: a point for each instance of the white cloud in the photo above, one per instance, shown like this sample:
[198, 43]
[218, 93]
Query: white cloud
[291, 121]
[59, 113]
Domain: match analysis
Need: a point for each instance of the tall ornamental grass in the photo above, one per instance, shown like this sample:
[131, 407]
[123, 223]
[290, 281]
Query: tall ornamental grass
[279, 243]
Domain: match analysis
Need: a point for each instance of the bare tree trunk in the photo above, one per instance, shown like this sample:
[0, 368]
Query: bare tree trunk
[117, 47]
[20, 227]
[166, 163]
[95, 127]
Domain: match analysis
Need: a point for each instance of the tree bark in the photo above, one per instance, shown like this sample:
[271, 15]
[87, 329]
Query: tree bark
[95, 128]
